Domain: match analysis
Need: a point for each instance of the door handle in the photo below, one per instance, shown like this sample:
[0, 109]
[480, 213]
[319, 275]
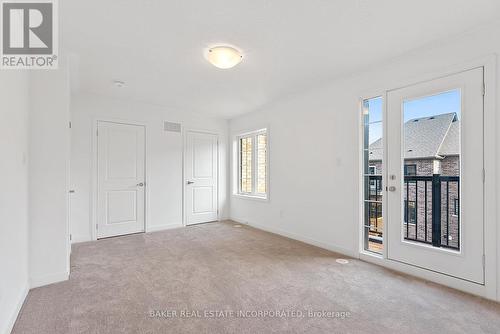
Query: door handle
[140, 184]
[190, 182]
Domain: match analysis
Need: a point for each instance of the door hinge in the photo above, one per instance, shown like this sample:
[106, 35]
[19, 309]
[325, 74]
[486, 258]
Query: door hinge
[484, 89]
[484, 261]
[96, 226]
[70, 125]
[70, 237]
[484, 176]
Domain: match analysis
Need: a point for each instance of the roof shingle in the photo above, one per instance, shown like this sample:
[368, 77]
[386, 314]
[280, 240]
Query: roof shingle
[426, 137]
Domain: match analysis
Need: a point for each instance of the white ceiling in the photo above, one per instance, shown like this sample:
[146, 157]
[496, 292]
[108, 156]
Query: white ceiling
[157, 46]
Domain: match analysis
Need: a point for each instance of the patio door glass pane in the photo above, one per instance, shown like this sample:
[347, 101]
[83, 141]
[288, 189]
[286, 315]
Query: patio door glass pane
[372, 175]
[431, 166]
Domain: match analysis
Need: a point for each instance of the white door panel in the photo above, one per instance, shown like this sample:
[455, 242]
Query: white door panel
[458, 250]
[201, 177]
[121, 179]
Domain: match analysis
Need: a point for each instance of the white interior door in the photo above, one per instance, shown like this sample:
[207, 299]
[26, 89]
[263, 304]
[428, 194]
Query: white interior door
[201, 177]
[435, 175]
[121, 179]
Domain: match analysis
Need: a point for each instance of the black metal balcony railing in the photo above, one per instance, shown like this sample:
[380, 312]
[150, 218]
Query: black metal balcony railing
[431, 212]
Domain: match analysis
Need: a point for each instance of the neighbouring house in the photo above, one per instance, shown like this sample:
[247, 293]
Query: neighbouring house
[431, 166]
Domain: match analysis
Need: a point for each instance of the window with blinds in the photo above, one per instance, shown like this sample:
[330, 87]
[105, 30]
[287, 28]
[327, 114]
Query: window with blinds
[253, 164]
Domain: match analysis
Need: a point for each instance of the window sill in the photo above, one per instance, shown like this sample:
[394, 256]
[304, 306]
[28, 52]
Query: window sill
[252, 197]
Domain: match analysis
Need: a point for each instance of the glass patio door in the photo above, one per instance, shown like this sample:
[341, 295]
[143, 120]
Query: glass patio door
[435, 175]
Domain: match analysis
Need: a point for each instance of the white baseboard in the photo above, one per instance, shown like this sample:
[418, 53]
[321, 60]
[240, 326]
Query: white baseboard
[452, 282]
[428, 275]
[80, 238]
[156, 228]
[36, 282]
[17, 309]
[294, 236]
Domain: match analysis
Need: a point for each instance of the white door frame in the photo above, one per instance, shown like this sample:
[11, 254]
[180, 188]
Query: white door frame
[184, 192]
[94, 177]
[491, 151]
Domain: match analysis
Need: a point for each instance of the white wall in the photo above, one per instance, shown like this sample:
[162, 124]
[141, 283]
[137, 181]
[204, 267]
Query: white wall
[164, 159]
[313, 169]
[14, 280]
[314, 149]
[48, 176]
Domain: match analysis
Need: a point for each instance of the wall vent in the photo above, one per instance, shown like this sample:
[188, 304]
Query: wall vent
[172, 127]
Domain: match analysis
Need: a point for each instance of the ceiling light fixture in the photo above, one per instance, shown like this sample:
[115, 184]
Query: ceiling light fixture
[224, 57]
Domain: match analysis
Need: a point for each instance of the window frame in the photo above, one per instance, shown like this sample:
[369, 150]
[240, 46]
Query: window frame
[406, 213]
[365, 166]
[406, 167]
[253, 194]
[240, 138]
[456, 207]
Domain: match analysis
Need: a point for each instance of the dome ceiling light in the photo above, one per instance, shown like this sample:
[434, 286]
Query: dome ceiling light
[224, 57]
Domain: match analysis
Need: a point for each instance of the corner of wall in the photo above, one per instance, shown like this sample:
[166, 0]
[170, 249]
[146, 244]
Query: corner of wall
[49, 95]
[18, 306]
[38, 281]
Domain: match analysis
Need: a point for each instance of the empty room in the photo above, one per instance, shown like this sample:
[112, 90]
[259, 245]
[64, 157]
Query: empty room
[265, 166]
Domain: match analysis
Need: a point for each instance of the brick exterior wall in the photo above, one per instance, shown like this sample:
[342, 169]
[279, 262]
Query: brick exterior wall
[449, 166]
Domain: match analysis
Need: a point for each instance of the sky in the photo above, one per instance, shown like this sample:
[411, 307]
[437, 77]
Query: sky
[427, 106]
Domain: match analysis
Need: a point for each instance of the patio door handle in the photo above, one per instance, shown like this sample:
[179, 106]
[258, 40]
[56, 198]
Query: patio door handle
[190, 182]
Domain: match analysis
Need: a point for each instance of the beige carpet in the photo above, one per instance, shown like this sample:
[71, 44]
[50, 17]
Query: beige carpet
[116, 283]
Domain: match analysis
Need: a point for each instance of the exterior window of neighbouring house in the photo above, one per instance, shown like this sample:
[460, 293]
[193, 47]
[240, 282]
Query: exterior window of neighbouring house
[456, 207]
[410, 170]
[253, 164]
[410, 212]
